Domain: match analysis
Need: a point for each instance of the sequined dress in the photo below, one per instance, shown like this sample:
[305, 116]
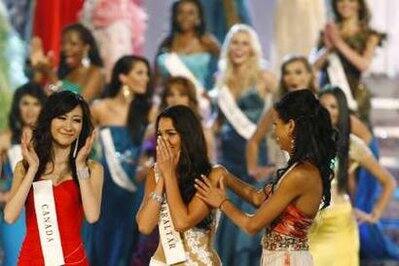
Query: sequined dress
[285, 241]
[198, 244]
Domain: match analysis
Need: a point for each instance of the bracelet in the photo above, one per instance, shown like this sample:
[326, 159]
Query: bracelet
[83, 173]
[221, 204]
[156, 197]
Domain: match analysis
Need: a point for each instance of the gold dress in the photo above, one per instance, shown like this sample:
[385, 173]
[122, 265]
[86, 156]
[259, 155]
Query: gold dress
[334, 236]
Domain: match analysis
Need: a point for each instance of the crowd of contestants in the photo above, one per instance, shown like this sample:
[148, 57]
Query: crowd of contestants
[305, 188]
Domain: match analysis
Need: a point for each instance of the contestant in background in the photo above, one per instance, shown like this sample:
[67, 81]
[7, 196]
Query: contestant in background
[244, 90]
[122, 117]
[28, 100]
[80, 64]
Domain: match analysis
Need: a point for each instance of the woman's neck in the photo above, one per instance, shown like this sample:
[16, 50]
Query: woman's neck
[61, 153]
[350, 24]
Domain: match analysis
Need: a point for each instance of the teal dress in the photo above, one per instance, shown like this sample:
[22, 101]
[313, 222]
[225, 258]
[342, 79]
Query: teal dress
[70, 86]
[234, 246]
[202, 66]
[11, 235]
[116, 234]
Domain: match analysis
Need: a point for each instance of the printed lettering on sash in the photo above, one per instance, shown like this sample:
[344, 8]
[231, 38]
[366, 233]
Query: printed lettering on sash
[171, 241]
[46, 216]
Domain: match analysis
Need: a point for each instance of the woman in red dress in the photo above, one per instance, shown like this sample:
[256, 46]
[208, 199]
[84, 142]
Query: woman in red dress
[57, 150]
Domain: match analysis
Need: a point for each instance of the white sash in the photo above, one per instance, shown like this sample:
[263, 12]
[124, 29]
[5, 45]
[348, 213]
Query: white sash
[337, 77]
[244, 127]
[176, 67]
[14, 155]
[118, 175]
[172, 243]
[47, 224]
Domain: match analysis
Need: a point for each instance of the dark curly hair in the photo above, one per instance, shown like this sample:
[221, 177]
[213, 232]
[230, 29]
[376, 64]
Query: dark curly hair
[59, 103]
[14, 119]
[87, 38]
[313, 133]
[193, 161]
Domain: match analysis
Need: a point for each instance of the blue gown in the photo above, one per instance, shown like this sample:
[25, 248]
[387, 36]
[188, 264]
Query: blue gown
[234, 246]
[374, 243]
[11, 235]
[116, 233]
[202, 66]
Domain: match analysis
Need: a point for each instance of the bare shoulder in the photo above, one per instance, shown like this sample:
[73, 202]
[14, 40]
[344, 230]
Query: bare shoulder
[303, 175]
[211, 43]
[95, 71]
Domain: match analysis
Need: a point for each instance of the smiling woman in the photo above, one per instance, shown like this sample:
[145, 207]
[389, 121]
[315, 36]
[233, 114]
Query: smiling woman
[55, 172]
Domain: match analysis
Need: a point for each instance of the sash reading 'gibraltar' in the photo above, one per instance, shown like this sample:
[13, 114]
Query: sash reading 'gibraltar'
[172, 243]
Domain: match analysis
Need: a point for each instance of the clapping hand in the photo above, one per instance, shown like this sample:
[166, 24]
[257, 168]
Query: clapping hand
[84, 152]
[28, 152]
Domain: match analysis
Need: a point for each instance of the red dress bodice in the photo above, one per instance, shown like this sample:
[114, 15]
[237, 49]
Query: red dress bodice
[69, 210]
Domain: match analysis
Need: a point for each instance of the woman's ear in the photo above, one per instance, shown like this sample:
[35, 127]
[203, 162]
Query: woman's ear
[291, 126]
[122, 78]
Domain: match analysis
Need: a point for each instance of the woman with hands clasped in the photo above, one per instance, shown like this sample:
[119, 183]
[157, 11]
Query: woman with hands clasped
[56, 183]
[288, 206]
[186, 224]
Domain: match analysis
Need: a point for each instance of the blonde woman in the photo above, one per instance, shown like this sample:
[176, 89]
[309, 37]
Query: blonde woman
[243, 85]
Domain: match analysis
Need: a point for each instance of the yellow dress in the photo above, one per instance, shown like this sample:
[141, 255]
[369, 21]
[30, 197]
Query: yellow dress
[334, 236]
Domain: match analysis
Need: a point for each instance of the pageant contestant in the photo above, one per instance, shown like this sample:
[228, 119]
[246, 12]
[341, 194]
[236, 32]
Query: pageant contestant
[335, 232]
[80, 64]
[243, 87]
[288, 206]
[188, 50]
[123, 118]
[186, 224]
[27, 102]
[56, 183]
[346, 50]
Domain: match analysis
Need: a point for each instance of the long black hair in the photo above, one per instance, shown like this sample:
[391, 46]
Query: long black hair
[193, 161]
[87, 38]
[139, 108]
[59, 103]
[15, 122]
[313, 133]
[344, 130]
[175, 27]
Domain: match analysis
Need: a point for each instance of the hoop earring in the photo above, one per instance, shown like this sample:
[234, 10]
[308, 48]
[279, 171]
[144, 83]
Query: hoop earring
[75, 150]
